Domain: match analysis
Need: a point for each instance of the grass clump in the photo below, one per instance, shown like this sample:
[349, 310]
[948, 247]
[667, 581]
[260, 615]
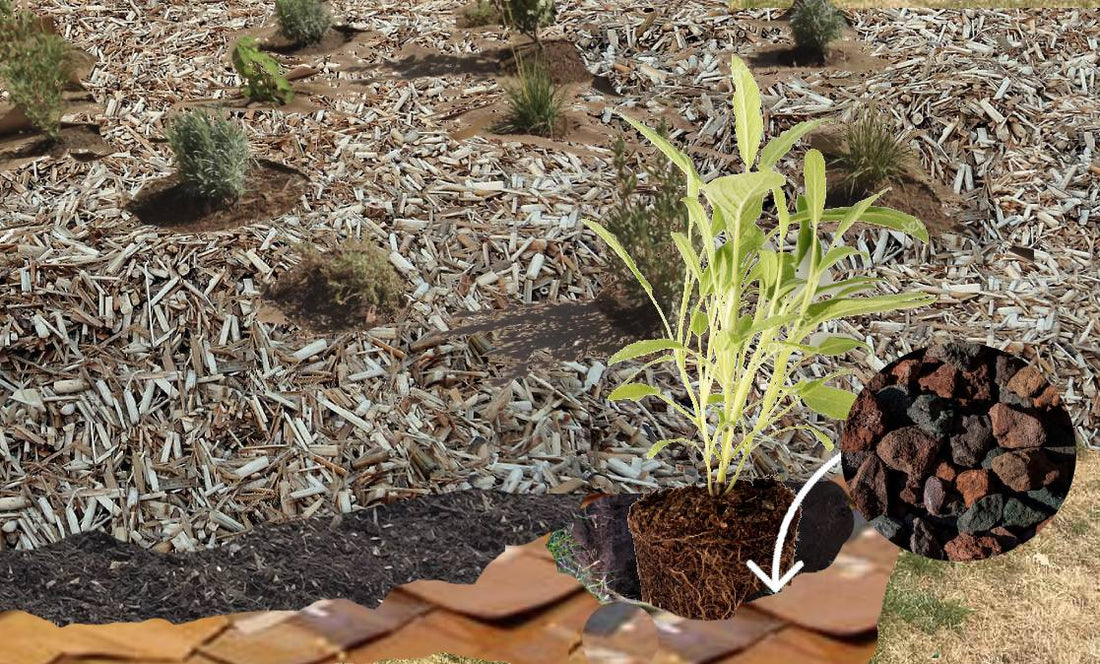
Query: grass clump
[924, 610]
[263, 80]
[35, 72]
[528, 16]
[482, 12]
[644, 220]
[359, 277]
[15, 26]
[212, 154]
[570, 559]
[303, 22]
[536, 104]
[814, 25]
[874, 155]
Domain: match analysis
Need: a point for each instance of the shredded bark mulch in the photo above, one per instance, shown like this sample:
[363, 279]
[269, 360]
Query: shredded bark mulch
[451, 537]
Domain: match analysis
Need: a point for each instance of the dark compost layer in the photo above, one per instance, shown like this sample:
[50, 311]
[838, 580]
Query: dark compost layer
[451, 537]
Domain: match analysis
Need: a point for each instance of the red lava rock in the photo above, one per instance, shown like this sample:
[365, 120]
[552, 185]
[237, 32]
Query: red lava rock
[1039, 528]
[905, 371]
[976, 384]
[1006, 368]
[913, 492]
[935, 496]
[1048, 398]
[1023, 470]
[869, 488]
[909, 450]
[973, 485]
[877, 382]
[1027, 382]
[946, 472]
[924, 541]
[1016, 429]
[970, 547]
[865, 424]
[941, 382]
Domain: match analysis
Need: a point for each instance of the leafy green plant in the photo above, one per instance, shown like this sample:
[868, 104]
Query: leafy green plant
[535, 103]
[303, 22]
[35, 73]
[643, 223]
[814, 25]
[528, 16]
[263, 80]
[357, 276]
[875, 154]
[212, 154]
[750, 301]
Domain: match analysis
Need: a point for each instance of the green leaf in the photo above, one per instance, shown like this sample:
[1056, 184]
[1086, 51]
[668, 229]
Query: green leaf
[838, 345]
[805, 241]
[837, 254]
[819, 312]
[633, 392]
[747, 114]
[688, 253]
[874, 216]
[663, 443]
[854, 214]
[617, 247]
[832, 402]
[782, 144]
[699, 323]
[682, 161]
[825, 441]
[716, 398]
[814, 177]
[640, 348]
[731, 194]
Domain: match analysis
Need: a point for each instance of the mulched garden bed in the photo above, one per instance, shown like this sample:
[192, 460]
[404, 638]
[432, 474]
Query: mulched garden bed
[958, 452]
[452, 537]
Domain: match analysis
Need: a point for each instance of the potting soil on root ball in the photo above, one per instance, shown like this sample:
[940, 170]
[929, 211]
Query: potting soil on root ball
[692, 547]
[958, 452]
[451, 537]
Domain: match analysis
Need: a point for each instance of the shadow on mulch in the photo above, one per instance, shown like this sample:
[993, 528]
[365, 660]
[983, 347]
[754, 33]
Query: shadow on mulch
[273, 190]
[79, 141]
[561, 58]
[93, 578]
[337, 37]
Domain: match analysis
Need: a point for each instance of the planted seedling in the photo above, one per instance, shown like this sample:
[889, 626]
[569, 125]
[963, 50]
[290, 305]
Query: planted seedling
[751, 300]
[35, 71]
[644, 213]
[528, 16]
[535, 103]
[873, 156]
[303, 22]
[814, 25]
[263, 79]
[212, 155]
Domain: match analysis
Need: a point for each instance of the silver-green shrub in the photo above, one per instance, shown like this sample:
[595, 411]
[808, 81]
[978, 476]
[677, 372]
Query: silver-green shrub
[212, 154]
[814, 25]
[35, 73]
[303, 22]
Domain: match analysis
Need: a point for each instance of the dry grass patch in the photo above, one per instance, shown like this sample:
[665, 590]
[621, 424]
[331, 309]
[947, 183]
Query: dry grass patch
[1037, 603]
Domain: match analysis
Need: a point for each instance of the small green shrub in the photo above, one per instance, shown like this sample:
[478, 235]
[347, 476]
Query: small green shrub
[212, 154]
[482, 12]
[35, 74]
[528, 16]
[303, 22]
[643, 221]
[358, 276]
[814, 25]
[263, 81]
[874, 155]
[536, 105]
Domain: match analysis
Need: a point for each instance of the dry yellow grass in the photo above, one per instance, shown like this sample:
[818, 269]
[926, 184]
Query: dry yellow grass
[1038, 604]
[930, 4]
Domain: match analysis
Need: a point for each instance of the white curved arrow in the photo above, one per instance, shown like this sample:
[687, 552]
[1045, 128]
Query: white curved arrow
[775, 582]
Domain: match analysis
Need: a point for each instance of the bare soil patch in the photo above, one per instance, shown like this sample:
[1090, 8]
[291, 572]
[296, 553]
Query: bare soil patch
[560, 57]
[448, 537]
[79, 141]
[273, 190]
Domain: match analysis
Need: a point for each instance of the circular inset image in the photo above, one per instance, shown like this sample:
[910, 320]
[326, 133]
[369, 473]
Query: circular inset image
[958, 452]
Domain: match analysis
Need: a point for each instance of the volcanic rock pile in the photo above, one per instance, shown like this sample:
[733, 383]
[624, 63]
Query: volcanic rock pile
[958, 452]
